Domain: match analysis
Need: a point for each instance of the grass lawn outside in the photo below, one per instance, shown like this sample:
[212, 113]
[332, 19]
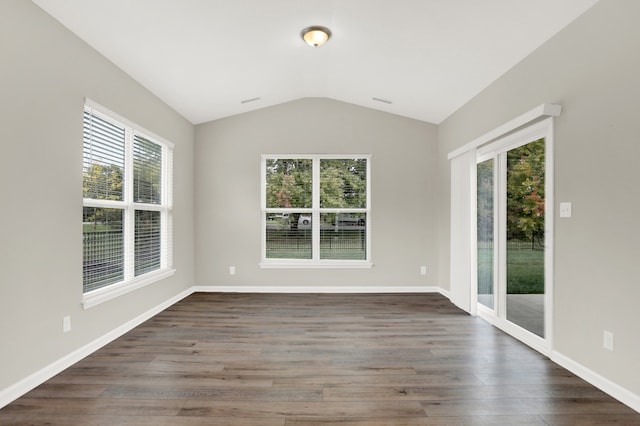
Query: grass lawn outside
[525, 269]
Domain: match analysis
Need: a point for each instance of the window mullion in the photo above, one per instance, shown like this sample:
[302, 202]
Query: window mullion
[129, 211]
[315, 204]
[166, 228]
[166, 220]
[368, 211]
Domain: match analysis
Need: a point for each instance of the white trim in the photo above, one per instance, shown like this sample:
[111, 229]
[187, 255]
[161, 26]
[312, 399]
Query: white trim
[446, 293]
[549, 234]
[104, 294]
[544, 110]
[318, 264]
[25, 385]
[533, 341]
[315, 214]
[369, 211]
[324, 156]
[338, 289]
[106, 113]
[614, 390]
[514, 140]
[116, 204]
[129, 220]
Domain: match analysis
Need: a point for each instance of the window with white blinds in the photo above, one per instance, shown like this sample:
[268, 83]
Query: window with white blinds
[316, 211]
[127, 206]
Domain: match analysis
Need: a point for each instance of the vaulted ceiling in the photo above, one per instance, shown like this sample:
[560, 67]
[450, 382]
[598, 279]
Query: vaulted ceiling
[206, 58]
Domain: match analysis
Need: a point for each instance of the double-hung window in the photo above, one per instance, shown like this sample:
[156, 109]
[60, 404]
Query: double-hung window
[316, 211]
[127, 206]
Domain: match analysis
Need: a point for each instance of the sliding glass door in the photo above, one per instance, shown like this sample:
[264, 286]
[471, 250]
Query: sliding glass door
[511, 225]
[524, 222]
[485, 233]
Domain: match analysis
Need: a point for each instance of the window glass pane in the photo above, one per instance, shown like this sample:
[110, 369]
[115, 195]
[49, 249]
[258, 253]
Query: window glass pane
[147, 241]
[485, 234]
[288, 235]
[288, 183]
[525, 223]
[343, 183]
[103, 159]
[147, 171]
[343, 236]
[102, 236]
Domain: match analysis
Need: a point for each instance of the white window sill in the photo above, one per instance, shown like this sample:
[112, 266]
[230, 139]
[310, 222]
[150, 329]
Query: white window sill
[320, 264]
[101, 295]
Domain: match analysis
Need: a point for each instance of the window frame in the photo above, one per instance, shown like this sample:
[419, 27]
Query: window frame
[315, 210]
[129, 207]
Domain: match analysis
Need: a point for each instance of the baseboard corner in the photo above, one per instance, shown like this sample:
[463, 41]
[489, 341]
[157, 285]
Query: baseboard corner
[613, 389]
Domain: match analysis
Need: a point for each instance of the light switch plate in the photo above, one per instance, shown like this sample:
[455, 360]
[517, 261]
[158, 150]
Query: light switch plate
[66, 324]
[607, 342]
[565, 209]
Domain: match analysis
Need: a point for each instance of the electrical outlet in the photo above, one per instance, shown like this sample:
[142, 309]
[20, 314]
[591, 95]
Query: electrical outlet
[423, 270]
[66, 324]
[607, 341]
[232, 270]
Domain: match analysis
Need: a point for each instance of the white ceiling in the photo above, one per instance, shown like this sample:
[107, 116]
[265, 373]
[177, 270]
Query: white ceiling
[203, 57]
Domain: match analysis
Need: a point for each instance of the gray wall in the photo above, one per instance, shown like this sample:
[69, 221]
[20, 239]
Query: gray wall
[404, 172]
[592, 69]
[45, 74]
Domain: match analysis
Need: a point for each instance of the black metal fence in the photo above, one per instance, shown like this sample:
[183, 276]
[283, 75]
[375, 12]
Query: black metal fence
[334, 244]
[103, 260]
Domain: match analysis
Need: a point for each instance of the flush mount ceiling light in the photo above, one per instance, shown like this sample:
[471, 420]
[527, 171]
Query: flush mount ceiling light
[316, 35]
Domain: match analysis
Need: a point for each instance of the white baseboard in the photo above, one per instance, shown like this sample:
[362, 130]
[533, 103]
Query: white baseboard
[20, 388]
[616, 391]
[444, 292]
[315, 289]
[25, 385]
[30, 382]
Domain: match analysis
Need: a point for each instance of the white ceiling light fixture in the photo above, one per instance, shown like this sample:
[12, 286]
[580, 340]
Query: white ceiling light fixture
[316, 36]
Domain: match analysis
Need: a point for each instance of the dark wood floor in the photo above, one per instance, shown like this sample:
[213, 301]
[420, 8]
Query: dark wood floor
[303, 359]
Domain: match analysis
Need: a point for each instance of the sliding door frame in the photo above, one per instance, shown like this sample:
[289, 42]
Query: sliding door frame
[497, 317]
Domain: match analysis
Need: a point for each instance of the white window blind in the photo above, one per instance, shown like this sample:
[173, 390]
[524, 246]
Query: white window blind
[103, 247]
[147, 171]
[127, 212]
[104, 147]
[147, 241]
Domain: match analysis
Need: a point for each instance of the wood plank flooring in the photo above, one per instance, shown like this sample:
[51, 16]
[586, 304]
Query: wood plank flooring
[316, 359]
